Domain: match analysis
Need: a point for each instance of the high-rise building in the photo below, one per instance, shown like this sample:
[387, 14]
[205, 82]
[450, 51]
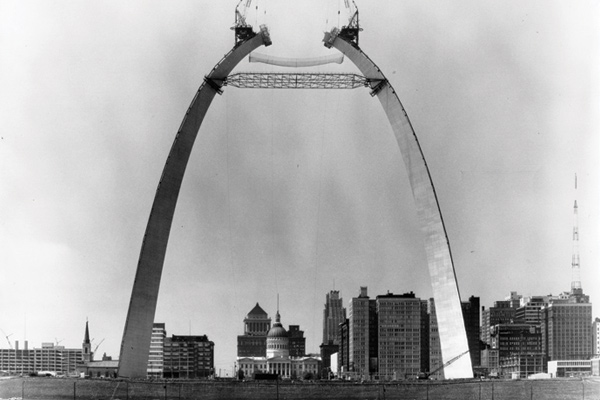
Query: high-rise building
[373, 338]
[503, 312]
[297, 341]
[253, 343]
[470, 311]
[566, 330]
[513, 339]
[425, 321]
[326, 351]
[333, 315]
[529, 311]
[514, 298]
[399, 326]
[156, 356]
[358, 334]
[344, 348]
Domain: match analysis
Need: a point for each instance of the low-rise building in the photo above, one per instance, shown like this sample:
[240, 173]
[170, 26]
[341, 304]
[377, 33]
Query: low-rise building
[54, 359]
[569, 368]
[521, 365]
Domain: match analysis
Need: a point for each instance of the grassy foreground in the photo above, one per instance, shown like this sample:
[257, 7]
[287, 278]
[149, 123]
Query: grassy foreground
[84, 389]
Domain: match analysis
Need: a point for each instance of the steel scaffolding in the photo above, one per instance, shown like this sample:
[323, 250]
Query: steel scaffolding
[271, 80]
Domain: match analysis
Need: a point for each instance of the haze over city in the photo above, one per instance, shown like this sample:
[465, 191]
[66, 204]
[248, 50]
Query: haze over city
[287, 192]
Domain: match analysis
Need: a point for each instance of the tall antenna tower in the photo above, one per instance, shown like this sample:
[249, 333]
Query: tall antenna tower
[575, 268]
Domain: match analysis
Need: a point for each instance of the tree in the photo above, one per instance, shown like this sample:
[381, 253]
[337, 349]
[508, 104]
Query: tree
[308, 376]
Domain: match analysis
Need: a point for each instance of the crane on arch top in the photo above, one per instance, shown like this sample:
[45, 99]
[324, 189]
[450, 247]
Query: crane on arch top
[243, 30]
[350, 31]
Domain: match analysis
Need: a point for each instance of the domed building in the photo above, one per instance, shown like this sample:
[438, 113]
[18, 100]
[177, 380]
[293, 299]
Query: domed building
[276, 359]
[278, 344]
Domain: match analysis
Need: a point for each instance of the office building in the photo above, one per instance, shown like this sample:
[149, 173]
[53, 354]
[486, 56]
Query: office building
[344, 349]
[512, 339]
[156, 356]
[567, 330]
[471, 317]
[297, 341]
[399, 336]
[253, 343]
[189, 357]
[333, 315]
[503, 312]
[362, 336]
[517, 349]
[529, 310]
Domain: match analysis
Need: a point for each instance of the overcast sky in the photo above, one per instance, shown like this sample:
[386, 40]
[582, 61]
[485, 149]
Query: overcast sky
[289, 192]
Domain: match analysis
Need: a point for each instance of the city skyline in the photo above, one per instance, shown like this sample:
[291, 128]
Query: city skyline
[503, 101]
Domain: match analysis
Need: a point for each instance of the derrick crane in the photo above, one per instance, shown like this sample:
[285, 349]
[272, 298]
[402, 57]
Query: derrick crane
[243, 30]
[350, 31]
[98, 345]
[426, 375]
[7, 338]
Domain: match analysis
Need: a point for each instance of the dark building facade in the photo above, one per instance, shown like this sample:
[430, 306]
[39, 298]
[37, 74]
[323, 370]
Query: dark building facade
[344, 348]
[373, 338]
[297, 341]
[189, 357]
[326, 351]
[470, 311]
[425, 332]
[503, 312]
[516, 339]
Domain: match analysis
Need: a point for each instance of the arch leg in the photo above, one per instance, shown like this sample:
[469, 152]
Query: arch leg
[453, 337]
[135, 345]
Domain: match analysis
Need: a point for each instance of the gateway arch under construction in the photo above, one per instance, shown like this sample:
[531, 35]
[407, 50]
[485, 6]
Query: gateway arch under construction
[135, 344]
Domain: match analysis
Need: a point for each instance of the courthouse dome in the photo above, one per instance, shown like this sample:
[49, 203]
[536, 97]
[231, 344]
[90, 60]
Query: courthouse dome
[277, 330]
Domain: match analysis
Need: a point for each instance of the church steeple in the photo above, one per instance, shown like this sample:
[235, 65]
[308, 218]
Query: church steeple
[87, 345]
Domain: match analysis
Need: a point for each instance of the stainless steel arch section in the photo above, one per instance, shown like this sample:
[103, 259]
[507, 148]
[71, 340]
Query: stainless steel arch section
[135, 345]
[453, 337]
